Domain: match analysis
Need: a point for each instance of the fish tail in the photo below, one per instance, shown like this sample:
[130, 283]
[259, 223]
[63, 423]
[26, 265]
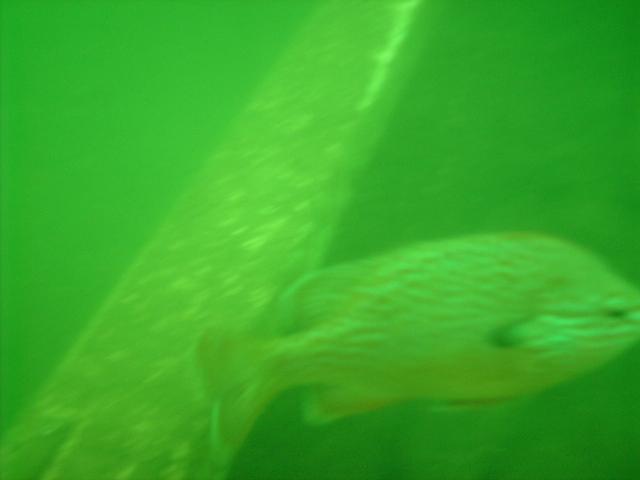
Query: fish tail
[239, 381]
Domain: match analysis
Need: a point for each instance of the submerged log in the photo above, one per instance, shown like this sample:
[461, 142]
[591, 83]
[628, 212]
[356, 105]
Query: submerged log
[125, 403]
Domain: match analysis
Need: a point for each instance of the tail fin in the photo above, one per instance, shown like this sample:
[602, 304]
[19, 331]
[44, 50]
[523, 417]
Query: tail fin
[237, 377]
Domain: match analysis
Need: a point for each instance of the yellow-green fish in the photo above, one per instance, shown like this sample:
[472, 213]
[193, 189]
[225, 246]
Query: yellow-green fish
[470, 320]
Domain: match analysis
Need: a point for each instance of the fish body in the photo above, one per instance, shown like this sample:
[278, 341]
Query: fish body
[476, 319]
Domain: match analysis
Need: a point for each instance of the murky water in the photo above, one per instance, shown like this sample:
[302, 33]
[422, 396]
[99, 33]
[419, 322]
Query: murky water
[515, 117]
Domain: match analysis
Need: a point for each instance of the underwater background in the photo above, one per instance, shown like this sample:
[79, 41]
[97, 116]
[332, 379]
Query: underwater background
[517, 116]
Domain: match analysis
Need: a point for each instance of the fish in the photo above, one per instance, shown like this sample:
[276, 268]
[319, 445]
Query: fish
[471, 320]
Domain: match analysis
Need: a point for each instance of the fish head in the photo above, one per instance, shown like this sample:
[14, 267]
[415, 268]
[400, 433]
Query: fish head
[586, 319]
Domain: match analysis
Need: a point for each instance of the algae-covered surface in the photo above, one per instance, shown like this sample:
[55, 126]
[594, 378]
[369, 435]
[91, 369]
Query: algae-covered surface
[497, 116]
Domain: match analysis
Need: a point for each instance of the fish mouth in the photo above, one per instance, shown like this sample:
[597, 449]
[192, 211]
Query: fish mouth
[634, 314]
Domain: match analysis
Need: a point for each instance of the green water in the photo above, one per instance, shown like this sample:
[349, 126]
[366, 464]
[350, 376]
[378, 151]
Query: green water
[518, 116]
[108, 108]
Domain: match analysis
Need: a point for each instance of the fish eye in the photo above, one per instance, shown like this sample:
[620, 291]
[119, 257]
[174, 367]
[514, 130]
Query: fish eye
[616, 313]
[504, 337]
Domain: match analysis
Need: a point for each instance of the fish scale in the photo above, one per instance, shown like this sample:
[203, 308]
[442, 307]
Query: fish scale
[471, 320]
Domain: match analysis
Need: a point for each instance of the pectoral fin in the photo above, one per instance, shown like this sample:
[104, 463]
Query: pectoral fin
[324, 405]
